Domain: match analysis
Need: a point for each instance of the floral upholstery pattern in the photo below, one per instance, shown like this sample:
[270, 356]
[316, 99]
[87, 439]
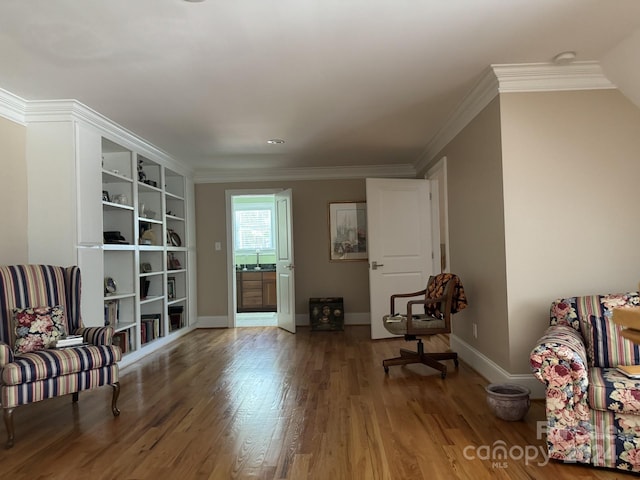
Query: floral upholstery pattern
[593, 411]
[37, 328]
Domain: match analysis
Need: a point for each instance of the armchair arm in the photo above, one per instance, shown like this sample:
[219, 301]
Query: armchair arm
[96, 335]
[6, 354]
[559, 360]
[404, 295]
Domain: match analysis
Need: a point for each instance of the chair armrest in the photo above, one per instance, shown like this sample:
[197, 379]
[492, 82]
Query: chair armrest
[6, 354]
[96, 335]
[404, 295]
[559, 361]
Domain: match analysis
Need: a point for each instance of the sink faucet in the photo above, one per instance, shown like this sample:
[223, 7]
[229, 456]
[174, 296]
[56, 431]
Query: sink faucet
[257, 259]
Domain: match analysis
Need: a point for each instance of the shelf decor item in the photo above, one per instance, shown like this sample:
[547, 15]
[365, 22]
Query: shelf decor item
[172, 262]
[173, 239]
[348, 231]
[110, 287]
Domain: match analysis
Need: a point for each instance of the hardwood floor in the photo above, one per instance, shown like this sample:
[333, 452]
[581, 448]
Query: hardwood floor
[260, 403]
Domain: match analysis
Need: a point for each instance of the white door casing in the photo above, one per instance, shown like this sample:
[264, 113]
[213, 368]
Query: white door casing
[285, 267]
[402, 254]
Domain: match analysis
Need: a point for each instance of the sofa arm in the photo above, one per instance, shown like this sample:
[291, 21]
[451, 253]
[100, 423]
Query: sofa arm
[559, 360]
[6, 354]
[96, 335]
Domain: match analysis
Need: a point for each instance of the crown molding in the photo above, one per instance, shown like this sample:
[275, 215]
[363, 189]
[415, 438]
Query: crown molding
[72, 110]
[548, 77]
[471, 105]
[28, 112]
[12, 107]
[513, 78]
[310, 173]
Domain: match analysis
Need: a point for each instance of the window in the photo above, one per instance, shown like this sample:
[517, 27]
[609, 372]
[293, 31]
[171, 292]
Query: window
[254, 223]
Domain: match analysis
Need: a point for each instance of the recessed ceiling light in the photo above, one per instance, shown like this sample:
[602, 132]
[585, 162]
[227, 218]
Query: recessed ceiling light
[275, 141]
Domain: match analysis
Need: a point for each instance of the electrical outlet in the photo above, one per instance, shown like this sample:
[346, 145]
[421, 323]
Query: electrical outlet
[218, 246]
[475, 330]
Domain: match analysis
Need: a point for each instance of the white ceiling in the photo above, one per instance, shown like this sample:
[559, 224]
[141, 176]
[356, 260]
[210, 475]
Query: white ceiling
[344, 82]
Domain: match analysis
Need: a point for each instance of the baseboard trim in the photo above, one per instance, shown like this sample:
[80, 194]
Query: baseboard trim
[363, 318]
[220, 321]
[133, 357]
[493, 372]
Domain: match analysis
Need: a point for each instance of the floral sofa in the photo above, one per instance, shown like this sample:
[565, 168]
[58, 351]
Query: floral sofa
[39, 304]
[593, 411]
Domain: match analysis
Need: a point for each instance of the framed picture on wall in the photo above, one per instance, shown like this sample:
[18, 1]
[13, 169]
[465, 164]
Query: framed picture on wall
[348, 231]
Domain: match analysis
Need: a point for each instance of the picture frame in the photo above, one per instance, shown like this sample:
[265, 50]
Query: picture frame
[171, 288]
[172, 262]
[105, 196]
[348, 231]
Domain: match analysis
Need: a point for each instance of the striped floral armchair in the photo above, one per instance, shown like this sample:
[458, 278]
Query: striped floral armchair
[40, 304]
[593, 411]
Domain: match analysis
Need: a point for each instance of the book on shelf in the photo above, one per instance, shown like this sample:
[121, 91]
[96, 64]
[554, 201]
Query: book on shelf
[111, 313]
[151, 322]
[631, 371]
[175, 317]
[143, 333]
[70, 341]
[122, 340]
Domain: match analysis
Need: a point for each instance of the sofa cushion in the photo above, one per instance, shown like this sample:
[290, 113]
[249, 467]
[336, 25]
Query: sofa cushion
[606, 347]
[37, 328]
[50, 363]
[612, 390]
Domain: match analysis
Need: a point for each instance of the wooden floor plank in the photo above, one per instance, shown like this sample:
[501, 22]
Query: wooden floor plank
[261, 403]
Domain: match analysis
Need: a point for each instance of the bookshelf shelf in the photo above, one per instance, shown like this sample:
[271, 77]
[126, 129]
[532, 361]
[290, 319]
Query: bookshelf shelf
[141, 194]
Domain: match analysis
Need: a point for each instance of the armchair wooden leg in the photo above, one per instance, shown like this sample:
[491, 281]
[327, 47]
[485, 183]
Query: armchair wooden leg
[114, 399]
[74, 397]
[8, 422]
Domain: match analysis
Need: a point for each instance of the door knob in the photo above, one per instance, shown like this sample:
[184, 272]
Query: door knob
[376, 265]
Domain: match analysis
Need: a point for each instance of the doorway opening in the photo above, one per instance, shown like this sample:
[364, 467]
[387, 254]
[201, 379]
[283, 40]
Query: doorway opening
[254, 259]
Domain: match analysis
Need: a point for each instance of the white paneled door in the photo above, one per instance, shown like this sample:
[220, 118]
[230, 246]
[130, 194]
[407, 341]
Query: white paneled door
[285, 273]
[402, 251]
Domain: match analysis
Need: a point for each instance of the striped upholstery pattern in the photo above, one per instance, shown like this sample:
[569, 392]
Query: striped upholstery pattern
[43, 364]
[34, 286]
[35, 376]
[15, 395]
[6, 354]
[95, 335]
[591, 316]
[606, 347]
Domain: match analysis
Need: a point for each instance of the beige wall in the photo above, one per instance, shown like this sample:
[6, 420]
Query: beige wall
[571, 168]
[476, 232]
[542, 193]
[315, 274]
[13, 193]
